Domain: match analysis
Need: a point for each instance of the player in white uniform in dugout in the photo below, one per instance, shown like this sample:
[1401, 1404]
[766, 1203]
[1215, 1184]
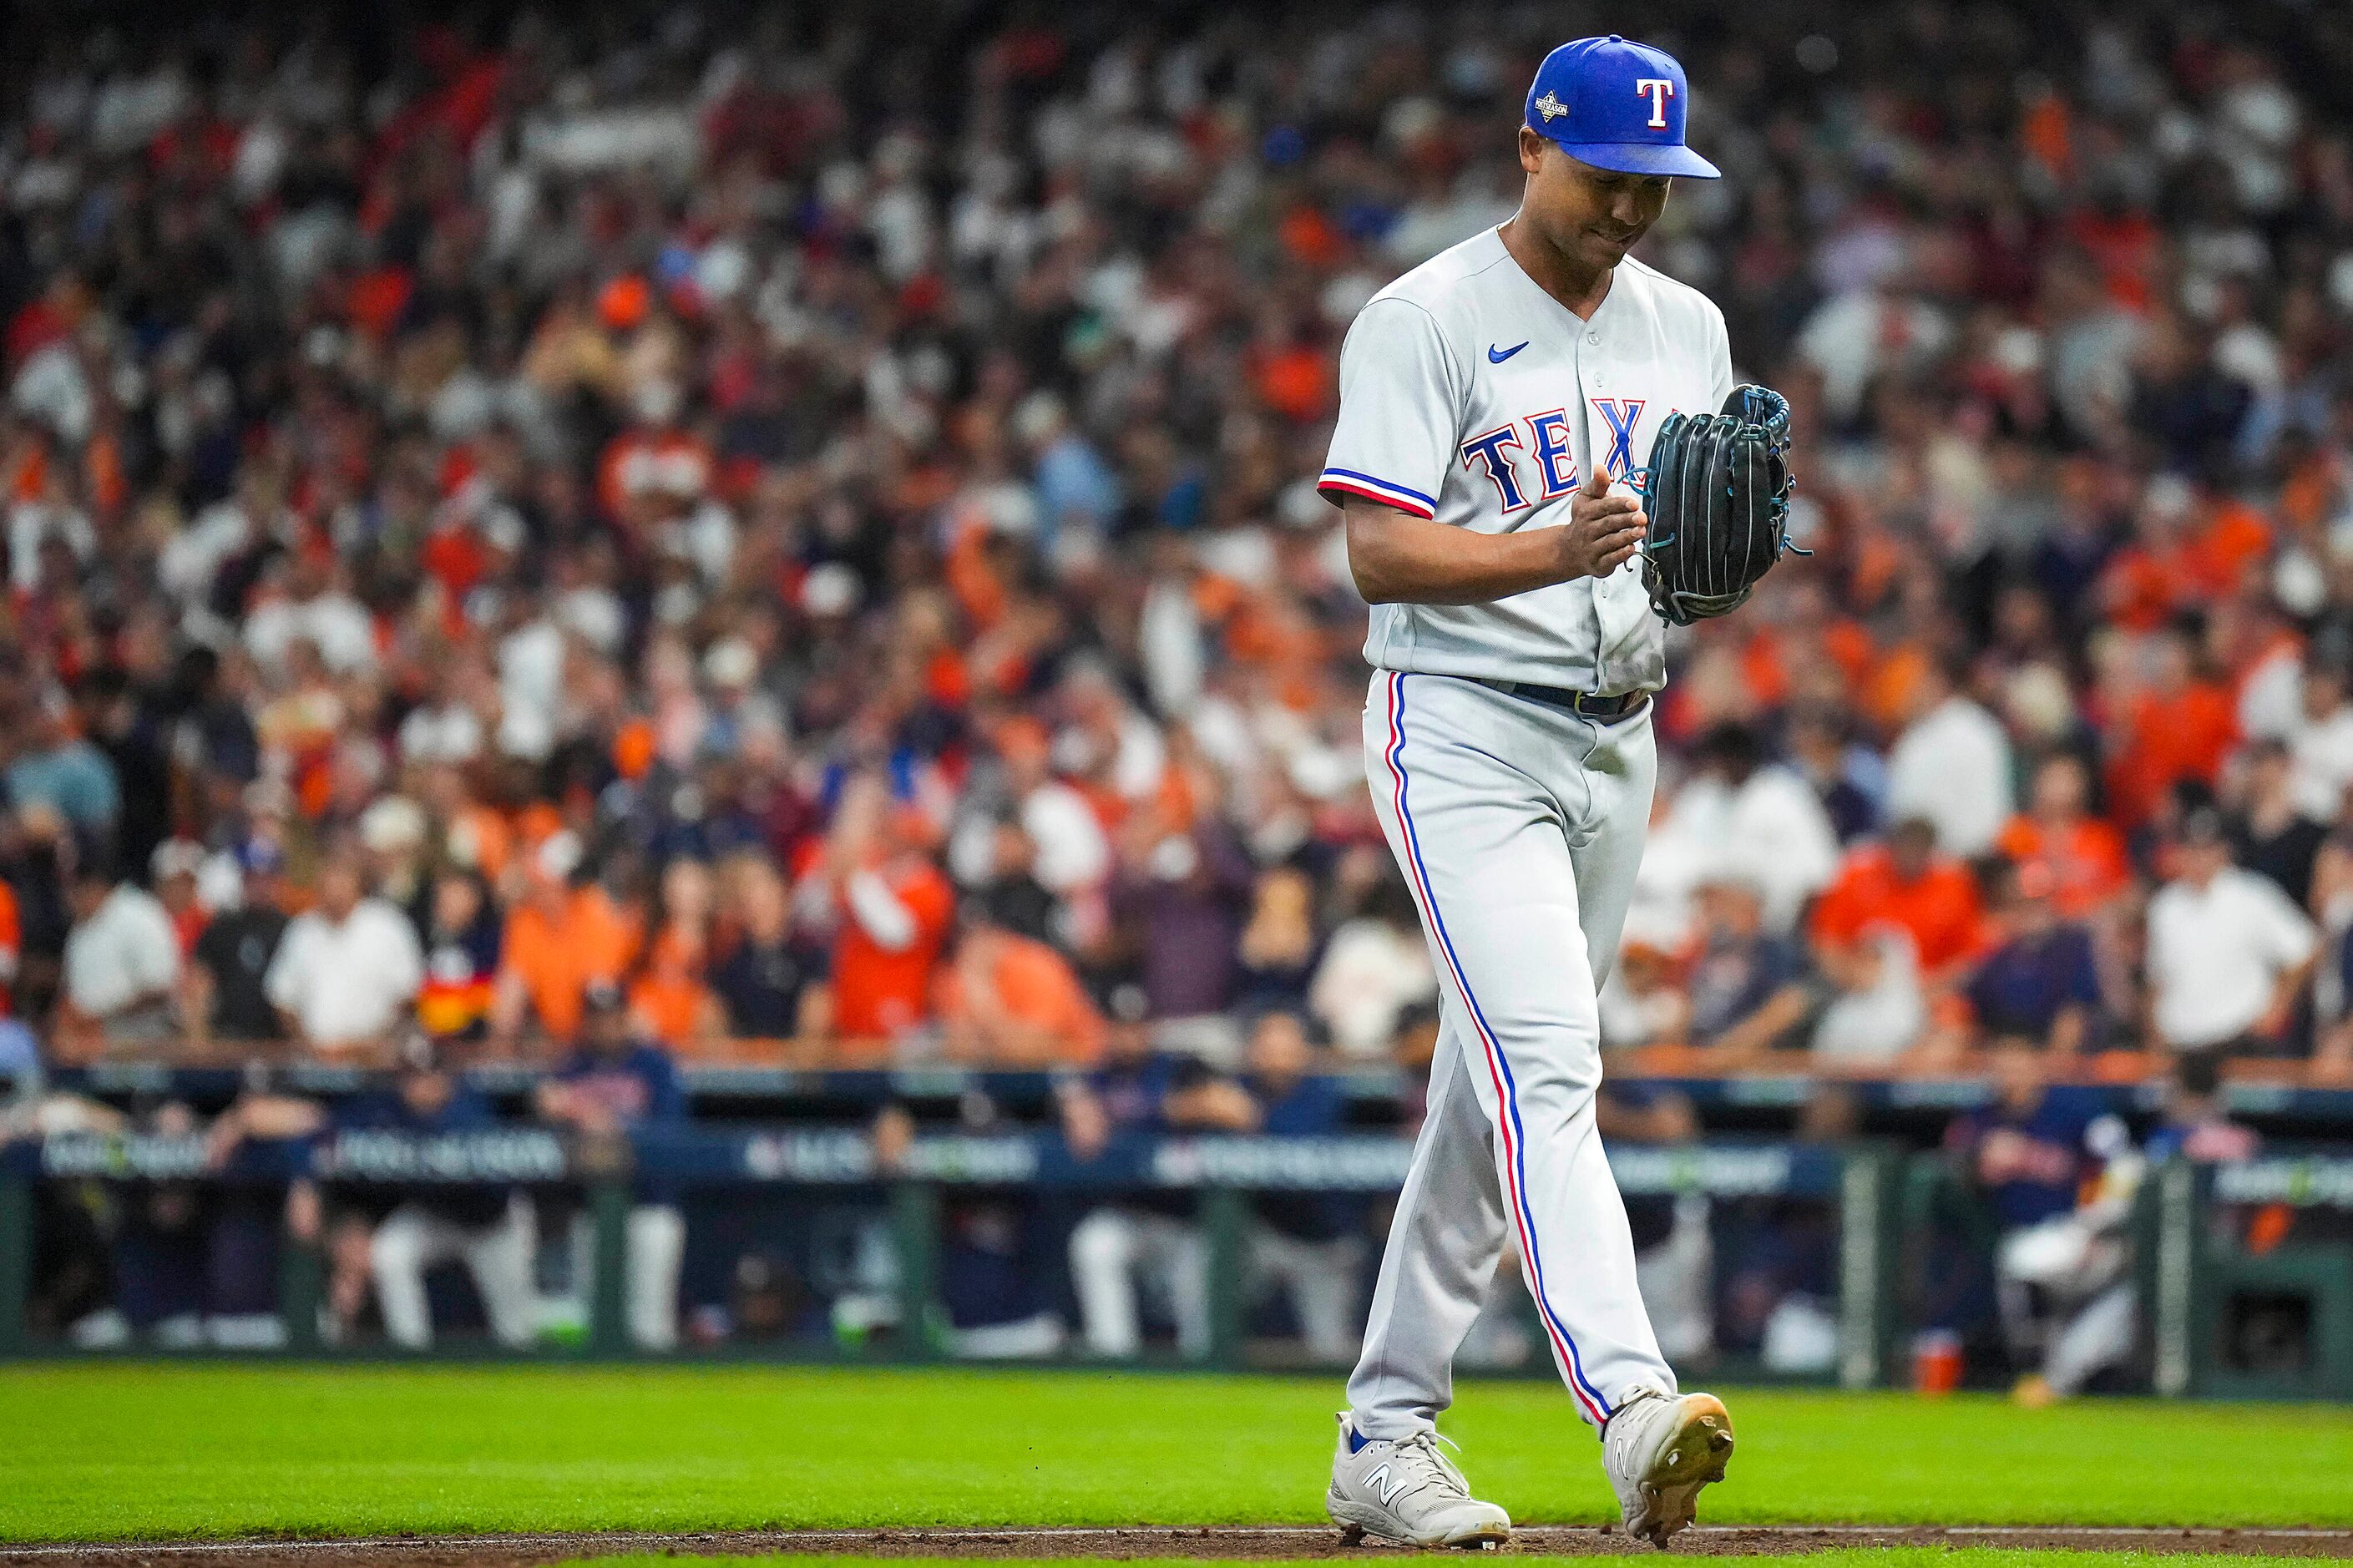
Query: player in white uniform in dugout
[1498, 404]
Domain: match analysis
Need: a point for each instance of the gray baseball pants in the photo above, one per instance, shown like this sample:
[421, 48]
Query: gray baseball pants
[1519, 826]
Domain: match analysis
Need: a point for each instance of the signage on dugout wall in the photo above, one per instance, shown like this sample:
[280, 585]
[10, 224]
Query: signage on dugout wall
[1367, 1162]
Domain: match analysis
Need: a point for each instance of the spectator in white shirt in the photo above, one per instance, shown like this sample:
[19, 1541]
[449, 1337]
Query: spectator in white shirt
[1877, 1010]
[2320, 743]
[315, 606]
[122, 960]
[1376, 966]
[1074, 851]
[346, 972]
[2227, 952]
[1743, 816]
[1951, 766]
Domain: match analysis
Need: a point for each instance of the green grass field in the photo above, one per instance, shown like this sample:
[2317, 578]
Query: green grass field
[1844, 1557]
[91, 1451]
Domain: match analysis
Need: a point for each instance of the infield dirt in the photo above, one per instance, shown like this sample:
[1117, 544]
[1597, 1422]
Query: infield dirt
[1228, 1543]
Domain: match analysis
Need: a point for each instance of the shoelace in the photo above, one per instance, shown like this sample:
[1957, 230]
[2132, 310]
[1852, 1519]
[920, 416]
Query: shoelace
[1623, 1438]
[1425, 1465]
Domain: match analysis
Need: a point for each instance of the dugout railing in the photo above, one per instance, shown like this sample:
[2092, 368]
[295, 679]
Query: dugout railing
[1219, 1175]
[768, 1090]
[2220, 1252]
[2246, 1278]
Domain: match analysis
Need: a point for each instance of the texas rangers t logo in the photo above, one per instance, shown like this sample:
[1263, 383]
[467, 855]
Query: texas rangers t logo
[1658, 89]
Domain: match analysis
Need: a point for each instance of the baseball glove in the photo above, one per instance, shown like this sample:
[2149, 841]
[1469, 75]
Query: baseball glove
[1717, 492]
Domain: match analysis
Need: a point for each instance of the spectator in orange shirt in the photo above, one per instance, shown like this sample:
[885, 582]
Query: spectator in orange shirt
[674, 1005]
[893, 907]
[2151, 579]
[2083, 855]
[1905, 883]
[2179, 726]
[1011, 1000]
[558, 939]
[2194, 546]
[669, 992]
[2234, 537]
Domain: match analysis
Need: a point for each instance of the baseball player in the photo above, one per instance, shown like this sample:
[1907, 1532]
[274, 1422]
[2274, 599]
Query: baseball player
[1498, 404]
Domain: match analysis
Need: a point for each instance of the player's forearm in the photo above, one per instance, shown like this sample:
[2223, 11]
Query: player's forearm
[1748, 1042]
[2332, 1056]
[1399, 559]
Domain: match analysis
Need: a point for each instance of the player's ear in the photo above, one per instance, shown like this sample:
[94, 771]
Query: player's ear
[1532, 148]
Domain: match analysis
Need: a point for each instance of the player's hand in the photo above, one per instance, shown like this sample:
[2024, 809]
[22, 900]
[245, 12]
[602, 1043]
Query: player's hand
[1603, 530]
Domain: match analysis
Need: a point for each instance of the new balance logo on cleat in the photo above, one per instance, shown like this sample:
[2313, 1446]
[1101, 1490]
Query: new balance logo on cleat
[1404, 1489]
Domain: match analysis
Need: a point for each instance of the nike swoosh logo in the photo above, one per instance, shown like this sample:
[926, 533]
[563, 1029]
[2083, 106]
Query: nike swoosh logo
[1497, 356]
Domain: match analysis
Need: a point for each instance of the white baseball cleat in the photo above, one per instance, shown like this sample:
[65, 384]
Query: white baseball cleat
[1407, 1492]
[1660, 1450]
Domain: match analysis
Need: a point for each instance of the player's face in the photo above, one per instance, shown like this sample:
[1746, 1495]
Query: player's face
[1594, 216]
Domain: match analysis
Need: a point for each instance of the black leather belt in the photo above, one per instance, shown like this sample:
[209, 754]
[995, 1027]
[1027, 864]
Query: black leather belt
[1584, 704]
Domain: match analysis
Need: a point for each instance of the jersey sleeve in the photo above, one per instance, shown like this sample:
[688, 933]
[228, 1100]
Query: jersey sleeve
[1721, 384]
[1399, 395]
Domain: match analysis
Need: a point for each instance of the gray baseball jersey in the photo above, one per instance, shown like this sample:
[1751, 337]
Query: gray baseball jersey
[1470, 396]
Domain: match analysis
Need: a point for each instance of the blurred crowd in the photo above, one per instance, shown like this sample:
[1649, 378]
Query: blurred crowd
[806, 521]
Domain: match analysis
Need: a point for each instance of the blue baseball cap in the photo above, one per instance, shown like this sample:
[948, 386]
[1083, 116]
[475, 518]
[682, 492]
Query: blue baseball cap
[1616, 104]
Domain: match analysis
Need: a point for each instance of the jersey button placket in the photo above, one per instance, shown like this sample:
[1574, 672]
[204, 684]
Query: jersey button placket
[1587, 381]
